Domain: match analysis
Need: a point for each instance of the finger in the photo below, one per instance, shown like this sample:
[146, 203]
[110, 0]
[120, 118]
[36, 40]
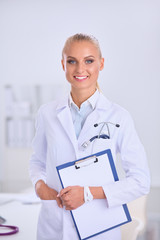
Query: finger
[59, 202]
[63, 191]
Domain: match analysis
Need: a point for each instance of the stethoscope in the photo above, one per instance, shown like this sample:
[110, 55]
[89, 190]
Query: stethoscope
[103, 136]
[14, 230]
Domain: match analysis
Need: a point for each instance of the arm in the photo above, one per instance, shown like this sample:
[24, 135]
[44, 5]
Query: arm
[137, 177]
[37, 166]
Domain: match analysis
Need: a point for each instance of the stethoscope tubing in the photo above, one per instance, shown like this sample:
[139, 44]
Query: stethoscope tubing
[104, 136]
[14, 228]
[102, 129]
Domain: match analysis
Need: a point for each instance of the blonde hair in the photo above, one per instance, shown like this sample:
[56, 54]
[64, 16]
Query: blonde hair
[79, 37]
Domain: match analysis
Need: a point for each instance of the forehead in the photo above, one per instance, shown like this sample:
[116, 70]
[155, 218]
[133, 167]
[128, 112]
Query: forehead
[81, 49]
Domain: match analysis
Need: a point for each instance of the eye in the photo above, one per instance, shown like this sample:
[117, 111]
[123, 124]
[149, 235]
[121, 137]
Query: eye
[89, 61]
[71, 61]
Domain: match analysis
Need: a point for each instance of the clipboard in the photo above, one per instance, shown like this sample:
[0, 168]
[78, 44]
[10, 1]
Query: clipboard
[93, 218]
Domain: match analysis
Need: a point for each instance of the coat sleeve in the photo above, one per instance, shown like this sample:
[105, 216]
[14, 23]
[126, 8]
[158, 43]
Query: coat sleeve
[137, 177]
[37, 165]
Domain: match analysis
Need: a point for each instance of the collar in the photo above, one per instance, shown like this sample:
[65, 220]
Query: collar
[91, 100]
[103, 103]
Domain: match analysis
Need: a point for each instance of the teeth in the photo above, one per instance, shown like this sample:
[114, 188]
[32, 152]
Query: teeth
[80, 77]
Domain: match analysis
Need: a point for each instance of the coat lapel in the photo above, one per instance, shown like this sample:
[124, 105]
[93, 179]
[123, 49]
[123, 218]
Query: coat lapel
[88, 129]
[65, 118]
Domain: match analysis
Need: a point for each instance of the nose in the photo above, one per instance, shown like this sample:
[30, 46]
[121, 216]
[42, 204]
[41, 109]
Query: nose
[80, 68]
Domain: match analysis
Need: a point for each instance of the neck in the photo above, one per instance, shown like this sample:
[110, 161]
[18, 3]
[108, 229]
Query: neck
[80, 96]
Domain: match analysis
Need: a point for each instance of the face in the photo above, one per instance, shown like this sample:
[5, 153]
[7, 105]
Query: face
[82, 63]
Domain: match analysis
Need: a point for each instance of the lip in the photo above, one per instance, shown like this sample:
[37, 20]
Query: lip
[80, 78]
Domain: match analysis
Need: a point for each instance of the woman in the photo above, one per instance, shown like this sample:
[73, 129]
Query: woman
[61, 129]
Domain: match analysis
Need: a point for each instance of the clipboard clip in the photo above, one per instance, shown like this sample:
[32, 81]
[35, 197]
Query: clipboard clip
[86, 162]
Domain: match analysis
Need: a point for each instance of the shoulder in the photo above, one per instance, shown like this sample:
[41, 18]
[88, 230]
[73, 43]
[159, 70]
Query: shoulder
[53, 106]
[48, 107]
[113, 108]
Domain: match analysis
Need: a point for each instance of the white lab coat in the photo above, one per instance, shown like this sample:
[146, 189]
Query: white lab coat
[55, 143]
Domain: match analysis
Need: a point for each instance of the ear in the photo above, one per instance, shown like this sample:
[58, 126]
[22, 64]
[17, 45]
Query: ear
[101, 64]
[62, 62]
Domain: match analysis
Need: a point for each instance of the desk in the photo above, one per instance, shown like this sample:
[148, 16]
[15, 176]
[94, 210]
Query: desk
[24, 216]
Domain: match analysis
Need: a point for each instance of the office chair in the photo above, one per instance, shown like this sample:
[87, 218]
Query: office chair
[137, 209]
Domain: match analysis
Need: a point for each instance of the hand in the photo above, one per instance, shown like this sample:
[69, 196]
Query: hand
[46, 193]
[72, 197]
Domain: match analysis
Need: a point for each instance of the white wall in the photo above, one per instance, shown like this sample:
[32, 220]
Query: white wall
[33, 33]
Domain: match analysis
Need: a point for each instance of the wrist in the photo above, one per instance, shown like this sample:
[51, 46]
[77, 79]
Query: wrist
[40, 187]
[44, 192]
[97, 192]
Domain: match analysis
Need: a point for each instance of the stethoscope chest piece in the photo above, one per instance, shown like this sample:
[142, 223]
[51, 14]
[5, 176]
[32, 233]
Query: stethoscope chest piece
[102, 136]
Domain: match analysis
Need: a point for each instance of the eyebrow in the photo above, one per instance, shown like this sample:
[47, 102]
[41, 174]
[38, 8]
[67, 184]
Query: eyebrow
[85, 57]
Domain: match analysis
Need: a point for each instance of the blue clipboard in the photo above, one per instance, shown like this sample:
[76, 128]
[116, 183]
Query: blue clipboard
[82, 172]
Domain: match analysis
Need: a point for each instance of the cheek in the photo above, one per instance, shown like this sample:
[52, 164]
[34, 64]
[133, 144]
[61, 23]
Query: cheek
[94, 70]
[69, 70]
[69, 73]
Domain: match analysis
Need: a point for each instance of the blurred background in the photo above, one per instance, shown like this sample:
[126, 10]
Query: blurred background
[32, 35]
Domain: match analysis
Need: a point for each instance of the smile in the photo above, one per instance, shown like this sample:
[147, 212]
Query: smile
[80, 78]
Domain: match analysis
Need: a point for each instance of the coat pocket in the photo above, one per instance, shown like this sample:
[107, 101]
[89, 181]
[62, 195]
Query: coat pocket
[50, 221]
[102, 144]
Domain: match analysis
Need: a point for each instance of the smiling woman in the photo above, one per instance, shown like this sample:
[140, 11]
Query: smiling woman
[82, 61]
[61, 129]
